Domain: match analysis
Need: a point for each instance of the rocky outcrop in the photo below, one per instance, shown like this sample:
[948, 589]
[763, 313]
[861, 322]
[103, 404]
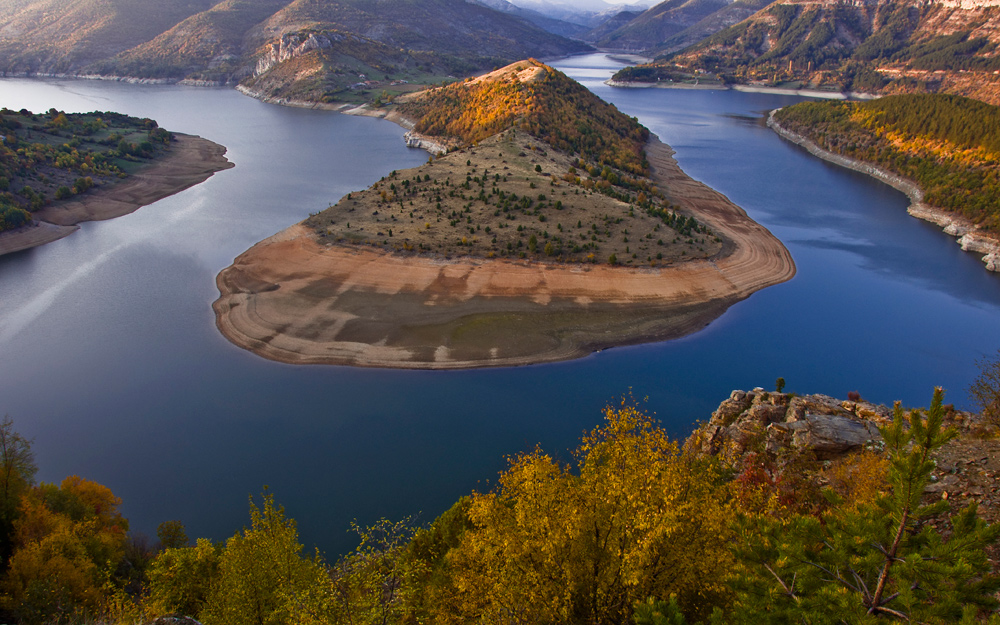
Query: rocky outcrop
[417, 140]
[798, 437]
[970, 238]
[291, 45]
[774, 422]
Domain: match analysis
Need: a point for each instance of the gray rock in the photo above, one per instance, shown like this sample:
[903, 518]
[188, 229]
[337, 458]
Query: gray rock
[817, 424]
[827, 436]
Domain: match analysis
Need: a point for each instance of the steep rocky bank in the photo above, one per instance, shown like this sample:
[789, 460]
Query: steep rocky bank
[969, 236]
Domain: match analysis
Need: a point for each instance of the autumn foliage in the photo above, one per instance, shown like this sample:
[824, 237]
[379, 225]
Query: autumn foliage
[633, 530]
[66, 539]
[541, 100]
[631, 518]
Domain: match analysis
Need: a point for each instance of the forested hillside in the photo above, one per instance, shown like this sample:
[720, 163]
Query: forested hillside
[948, 145]
[53, 156]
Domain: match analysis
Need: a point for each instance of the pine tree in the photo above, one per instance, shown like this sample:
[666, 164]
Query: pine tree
[874, 561]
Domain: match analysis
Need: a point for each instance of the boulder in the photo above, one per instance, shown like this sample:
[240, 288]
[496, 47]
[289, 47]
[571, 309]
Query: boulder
[824, 435]
[819, 425]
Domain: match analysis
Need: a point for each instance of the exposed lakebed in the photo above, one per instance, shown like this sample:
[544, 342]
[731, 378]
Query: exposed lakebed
[110, 360]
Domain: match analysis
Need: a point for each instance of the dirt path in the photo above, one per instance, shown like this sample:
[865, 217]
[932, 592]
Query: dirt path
[191, 160]
[292, 299]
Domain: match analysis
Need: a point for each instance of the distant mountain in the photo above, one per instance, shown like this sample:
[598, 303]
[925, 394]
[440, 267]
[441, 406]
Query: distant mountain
[330, 43]
[651, 29]
[67, 35]
[546, 23]
[610, 25]
[723, 18]
[881, 46]
[590, 14]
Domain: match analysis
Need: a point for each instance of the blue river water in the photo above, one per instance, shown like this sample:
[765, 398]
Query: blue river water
[110, 360]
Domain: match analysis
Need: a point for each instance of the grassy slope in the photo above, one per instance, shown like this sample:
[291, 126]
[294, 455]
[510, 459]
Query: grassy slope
[68, 35]
[209, 44]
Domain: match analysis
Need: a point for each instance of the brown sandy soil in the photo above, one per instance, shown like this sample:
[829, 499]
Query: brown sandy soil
[191, 161]
[293, 299]
[38, 233]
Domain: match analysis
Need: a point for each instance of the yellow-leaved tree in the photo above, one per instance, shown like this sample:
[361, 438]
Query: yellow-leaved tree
[68, 539]
[264, 579]
[556, 544]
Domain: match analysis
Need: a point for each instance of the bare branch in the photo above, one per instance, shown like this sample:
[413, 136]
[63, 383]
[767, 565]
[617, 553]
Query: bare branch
[788, 591]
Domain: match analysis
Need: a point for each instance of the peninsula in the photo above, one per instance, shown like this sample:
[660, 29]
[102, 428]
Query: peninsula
[60, 169]
[554, 226]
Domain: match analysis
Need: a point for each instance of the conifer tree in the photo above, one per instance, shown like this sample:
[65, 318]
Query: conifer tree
[875, 561]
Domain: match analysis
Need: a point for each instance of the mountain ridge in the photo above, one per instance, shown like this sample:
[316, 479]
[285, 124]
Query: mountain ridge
[883, 47]
[223, 42]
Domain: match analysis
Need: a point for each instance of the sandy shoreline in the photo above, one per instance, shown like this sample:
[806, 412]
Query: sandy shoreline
[968, 235]
[191, 160]
[292, 299]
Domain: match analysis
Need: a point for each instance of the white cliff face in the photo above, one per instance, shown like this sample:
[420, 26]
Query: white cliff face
[290, 46]
[416, 140]
[968, 4]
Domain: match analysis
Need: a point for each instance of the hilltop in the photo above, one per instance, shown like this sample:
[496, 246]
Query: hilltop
[315, 50]
[874, 47]
[540, 168]
[551, 226]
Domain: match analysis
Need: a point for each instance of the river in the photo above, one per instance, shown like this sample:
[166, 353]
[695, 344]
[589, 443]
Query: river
[111, 363]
